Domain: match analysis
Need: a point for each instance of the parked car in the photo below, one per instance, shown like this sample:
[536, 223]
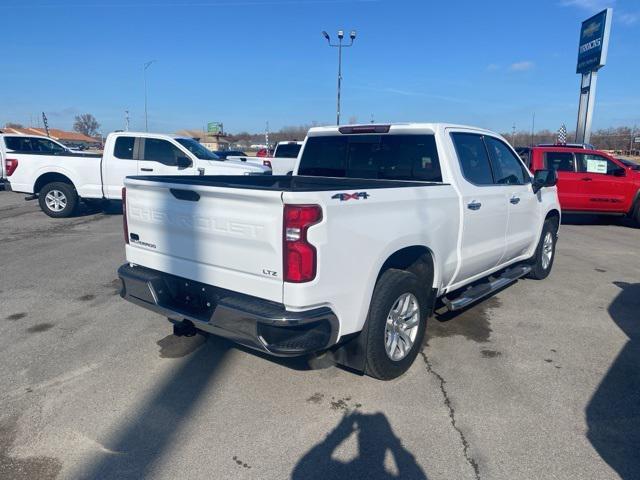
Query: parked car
[60, 179]
[591, 181]
[350, 254]
[224, 154]
[283, 160]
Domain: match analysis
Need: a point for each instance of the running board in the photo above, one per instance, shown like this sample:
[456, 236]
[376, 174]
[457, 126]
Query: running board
[473, 294]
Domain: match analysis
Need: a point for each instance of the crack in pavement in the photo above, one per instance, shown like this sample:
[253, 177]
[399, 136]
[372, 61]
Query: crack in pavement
[452, 417]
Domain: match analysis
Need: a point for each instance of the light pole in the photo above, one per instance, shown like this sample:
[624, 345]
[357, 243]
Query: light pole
[144, 73]
[339, 45]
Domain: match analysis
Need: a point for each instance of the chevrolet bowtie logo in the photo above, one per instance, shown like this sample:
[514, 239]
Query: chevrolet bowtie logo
[591, 29]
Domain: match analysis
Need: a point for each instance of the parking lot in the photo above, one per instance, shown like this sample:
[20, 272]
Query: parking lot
[538, 381]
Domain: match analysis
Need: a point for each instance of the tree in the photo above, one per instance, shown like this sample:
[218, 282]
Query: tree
[13, 125]
[86, 124]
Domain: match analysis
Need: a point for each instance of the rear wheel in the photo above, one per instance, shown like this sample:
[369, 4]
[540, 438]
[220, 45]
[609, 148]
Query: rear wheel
[542, 260]
[58, 199]
[396, 324]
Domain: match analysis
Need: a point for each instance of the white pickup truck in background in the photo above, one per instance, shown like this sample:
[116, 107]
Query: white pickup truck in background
[283, 161]
[349, 255]
[60, 178]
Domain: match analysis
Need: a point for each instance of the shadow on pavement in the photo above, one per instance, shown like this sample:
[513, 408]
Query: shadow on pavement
[375, 441]
[148, 432]
[593, 219]
[613, 413]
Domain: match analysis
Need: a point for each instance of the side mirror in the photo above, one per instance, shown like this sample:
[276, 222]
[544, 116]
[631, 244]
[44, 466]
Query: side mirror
[183, 162]
[544, 178]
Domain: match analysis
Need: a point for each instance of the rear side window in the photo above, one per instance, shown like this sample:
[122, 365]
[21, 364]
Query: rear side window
[560, 161]
[287, 150]
[157, 150]
[18, 144]
[473, 158]
[507, 168]
[391, 157]
[123, 148]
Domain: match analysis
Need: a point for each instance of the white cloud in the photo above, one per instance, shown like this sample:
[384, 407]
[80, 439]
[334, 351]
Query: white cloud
[628, 18]
[523, 66]
[590, 5]
[492, 67]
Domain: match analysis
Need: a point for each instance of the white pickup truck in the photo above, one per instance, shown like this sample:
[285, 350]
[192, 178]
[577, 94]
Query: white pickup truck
[283, 161]
[60, 178]
[349, 255]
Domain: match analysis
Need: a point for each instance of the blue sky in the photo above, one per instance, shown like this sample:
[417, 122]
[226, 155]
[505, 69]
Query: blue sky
[245, 62]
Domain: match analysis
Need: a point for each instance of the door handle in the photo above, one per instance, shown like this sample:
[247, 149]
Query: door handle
[474, 205]
[587, 179]
[147, 169]
[515, 200]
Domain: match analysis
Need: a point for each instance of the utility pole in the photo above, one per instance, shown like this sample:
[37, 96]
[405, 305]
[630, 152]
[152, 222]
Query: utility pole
[513, 134]
[126, 120]
[46, 123]
[266, 135]
[533, 126]
[144, 74]
[339, 46]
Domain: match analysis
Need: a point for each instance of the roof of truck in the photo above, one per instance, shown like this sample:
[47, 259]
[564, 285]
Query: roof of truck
[407, 127]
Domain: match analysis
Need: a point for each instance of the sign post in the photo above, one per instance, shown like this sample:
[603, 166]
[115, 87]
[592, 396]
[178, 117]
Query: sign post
[592, 55]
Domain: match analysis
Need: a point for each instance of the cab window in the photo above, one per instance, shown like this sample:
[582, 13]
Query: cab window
[473, 158]
[560, 161]
[46, 146]
[507, 168]
[157, 150]
[123, 148]
[590, 163]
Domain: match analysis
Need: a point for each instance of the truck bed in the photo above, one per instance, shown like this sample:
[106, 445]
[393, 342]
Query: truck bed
[285, 183]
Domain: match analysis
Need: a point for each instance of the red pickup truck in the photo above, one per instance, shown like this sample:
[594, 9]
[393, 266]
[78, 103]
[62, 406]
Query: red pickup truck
[589, 180]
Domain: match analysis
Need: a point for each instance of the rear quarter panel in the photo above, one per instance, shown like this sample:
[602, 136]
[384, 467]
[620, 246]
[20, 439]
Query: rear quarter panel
[356, 237]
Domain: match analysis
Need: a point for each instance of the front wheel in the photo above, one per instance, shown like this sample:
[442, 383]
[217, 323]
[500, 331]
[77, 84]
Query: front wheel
[396, 324]
[58, 199]
[542, 260]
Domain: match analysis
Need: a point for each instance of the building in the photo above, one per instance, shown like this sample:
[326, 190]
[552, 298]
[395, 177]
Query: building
[70, 139]
[211, 141]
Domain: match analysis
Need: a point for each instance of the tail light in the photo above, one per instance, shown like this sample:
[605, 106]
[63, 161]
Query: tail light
[125, 224]
[299, 255]
[11, 164]
[267, 163]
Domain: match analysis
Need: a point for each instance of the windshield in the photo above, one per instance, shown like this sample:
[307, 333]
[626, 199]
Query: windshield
[199, 150]
[287, 150]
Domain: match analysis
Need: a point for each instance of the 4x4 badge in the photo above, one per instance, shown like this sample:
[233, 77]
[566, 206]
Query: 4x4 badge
[348, 196]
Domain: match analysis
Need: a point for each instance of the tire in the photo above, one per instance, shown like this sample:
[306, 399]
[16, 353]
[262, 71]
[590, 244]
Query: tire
[542, 260]
[58, 199]
[636, 214]
[393, 287]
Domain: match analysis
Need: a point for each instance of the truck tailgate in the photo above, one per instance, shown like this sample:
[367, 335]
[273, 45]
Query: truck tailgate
[226, 237]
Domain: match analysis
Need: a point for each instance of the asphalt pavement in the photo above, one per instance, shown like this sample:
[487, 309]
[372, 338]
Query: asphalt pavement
[539, 381]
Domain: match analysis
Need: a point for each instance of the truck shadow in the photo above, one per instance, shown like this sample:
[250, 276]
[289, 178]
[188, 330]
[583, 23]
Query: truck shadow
[613, 413]
[376, 440]
[592, 219]
[149, 431]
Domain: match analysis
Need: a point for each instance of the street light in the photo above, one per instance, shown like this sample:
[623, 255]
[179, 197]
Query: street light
[144, 73]
[339, 45]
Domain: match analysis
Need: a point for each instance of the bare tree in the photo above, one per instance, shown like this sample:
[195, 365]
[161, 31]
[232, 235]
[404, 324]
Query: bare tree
[86, 124]
[13, 125]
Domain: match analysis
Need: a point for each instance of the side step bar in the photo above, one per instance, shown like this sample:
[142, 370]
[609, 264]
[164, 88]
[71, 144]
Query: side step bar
[473, 294]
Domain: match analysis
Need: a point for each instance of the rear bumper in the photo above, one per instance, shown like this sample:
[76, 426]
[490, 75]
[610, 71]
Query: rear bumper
[253, 322]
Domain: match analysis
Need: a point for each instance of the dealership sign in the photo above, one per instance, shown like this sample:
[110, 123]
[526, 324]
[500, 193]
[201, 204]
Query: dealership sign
[594, 42]
[214, 128]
